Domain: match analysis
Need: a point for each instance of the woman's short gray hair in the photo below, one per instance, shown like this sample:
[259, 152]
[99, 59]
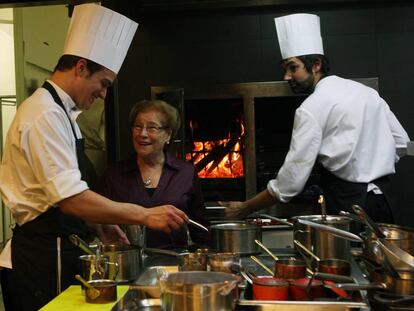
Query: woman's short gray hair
[170, 113]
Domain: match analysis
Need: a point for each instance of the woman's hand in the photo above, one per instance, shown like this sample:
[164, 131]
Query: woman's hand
[235, 209]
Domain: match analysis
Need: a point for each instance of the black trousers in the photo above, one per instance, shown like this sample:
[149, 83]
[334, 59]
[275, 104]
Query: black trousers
[32, 282]
[340, 195]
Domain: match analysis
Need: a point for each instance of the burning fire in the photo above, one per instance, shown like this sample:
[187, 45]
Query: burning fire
[229, 166]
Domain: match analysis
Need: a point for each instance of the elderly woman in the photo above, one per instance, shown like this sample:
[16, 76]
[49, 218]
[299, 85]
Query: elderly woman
[154, 177]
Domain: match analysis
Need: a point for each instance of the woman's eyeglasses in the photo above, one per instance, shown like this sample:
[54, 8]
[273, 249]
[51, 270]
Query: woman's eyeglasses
[151, 129]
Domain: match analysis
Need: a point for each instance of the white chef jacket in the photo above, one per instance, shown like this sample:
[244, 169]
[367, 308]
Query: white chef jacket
[349, 129]
[39, 166]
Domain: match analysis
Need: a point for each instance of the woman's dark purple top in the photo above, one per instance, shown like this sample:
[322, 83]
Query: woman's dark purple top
[178, 185]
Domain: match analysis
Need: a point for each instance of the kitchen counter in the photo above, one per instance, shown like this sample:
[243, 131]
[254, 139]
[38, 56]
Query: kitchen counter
[141, 297]
[72, 299]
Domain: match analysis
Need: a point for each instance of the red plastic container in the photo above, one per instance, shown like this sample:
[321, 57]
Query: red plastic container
[299, 290]
[270, 288]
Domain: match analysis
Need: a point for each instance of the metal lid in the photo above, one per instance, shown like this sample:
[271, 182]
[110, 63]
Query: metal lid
[234, 226]
[330, 219]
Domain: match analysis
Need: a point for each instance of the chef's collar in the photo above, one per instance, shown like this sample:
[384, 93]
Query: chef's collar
[67, 101]
[321, 81]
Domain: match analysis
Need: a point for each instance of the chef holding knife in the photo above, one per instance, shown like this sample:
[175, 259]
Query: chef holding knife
[42, 175]
[343, 125]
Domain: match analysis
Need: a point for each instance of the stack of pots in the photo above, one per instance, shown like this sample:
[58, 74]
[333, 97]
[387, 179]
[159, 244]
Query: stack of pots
[403, 237]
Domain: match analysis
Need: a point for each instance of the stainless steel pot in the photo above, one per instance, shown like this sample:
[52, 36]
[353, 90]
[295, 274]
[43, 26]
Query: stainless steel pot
[323, 244]
[403, 237]
[236, 237]
[128, 259]
[199, 291]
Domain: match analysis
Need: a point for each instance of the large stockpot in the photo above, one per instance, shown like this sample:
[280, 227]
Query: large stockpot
[128, 259]
[403, 237]
[323, 244]
[236, 237]
[199, 291]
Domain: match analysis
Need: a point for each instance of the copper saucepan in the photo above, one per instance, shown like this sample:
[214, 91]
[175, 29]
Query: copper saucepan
[286, 268]
[329, 265]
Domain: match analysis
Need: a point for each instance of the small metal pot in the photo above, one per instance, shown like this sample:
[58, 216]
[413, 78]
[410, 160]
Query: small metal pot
[323, 244]
[199, 291]
[270, 288]
[236, 237]
[290, 268]
[300, 289]
[224, 262]
[128, 259]
[106, 288]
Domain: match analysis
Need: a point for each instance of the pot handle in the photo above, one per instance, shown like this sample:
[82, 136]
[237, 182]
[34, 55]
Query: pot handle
[277, 219]
[116, 268]
[354, 286]
[228, 287]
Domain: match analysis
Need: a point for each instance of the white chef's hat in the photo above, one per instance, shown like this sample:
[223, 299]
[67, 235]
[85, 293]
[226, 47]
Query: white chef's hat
[299, 34]
[100, 35]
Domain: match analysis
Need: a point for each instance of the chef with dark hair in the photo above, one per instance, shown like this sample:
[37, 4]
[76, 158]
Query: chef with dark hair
[343, 125]
[44, 172]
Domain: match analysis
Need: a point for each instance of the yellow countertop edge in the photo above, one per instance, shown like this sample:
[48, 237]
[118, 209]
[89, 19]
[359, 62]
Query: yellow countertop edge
[72, 299]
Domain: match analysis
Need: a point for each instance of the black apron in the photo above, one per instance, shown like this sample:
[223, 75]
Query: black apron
[34, 247]
[340, 195]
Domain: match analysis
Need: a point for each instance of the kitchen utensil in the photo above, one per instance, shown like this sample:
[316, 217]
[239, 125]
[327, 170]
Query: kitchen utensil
[334, 231]
[351, 216]
[298, 289]
[198, 225]
[93, 292]
[329, 266]
[286, 268]
[402, 237]
[186, 261]
[192, 261]
[127, 261]
[246, 276]
[382, 282]
[223, 262]
[236, 237]
[395, 256]
[368, 221]
[270, 288]
[322, 243]
[285, 222]
[89, 266]
[199, 291]
[321, 201]
[106, 288]
[254, 258]
[266, 249]
[81, 244]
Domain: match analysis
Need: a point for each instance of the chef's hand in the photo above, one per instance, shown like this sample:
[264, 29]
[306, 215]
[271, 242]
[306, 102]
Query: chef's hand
[111, 234]
[235, 209]
[166, 218]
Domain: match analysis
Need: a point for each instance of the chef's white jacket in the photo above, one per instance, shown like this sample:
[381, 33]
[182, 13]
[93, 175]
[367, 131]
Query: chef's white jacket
[39, 166]
[349, 129]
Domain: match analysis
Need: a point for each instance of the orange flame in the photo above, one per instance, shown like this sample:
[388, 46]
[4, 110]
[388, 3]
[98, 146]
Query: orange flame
[230, 166]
